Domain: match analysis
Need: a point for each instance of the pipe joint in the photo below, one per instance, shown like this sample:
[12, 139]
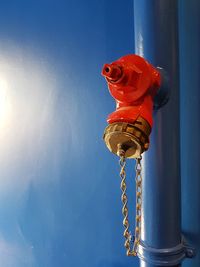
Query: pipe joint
[166, 257]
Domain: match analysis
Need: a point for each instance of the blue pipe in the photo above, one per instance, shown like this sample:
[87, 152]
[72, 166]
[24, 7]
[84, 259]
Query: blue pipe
[189, 21]
[156, 39]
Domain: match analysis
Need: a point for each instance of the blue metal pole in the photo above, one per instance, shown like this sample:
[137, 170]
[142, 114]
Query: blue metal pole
[189, 23]
[156, 39]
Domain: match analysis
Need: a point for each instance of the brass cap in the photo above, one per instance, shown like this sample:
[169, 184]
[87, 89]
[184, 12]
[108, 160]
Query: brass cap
[131, 139]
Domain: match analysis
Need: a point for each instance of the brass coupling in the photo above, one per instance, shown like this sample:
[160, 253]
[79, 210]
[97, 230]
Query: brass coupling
[129, 139]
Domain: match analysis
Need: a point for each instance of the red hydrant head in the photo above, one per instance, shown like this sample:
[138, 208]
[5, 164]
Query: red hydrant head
[133, 82]
[130, 77]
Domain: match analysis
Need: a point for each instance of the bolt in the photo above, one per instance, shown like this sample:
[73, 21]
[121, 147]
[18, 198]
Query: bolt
[190, 252]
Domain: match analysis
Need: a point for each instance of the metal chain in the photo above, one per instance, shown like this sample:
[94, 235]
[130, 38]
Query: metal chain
[131, 250]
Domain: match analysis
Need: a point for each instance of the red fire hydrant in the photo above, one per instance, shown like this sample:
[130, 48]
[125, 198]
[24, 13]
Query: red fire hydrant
[133, 83]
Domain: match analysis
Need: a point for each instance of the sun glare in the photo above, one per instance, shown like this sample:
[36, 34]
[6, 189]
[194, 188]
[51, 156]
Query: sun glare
[4, 102]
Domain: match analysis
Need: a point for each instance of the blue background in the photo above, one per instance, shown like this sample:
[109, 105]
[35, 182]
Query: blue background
[59, 187]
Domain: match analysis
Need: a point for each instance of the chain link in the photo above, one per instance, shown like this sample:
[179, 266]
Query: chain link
[131, 250]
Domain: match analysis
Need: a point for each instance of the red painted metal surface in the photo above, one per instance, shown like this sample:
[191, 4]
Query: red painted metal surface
[133, 83]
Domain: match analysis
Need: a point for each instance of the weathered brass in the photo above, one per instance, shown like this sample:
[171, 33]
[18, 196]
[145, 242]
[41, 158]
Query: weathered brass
[133, 138]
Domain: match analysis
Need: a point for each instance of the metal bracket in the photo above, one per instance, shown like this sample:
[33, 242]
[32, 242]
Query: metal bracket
[163, 94]
[166, 257]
